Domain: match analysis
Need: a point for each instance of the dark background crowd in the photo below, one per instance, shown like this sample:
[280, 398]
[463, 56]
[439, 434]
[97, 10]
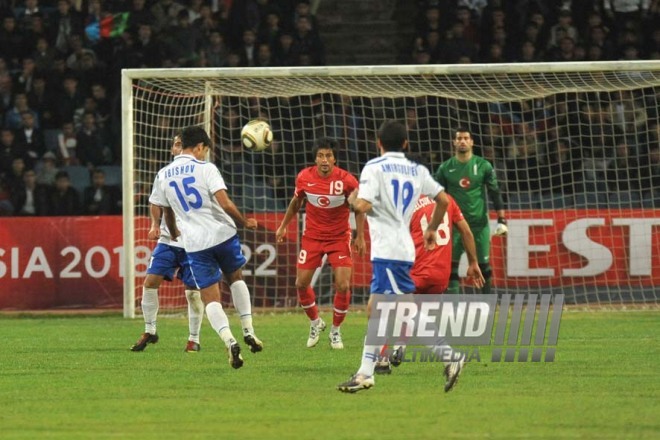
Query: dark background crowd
[60, 102]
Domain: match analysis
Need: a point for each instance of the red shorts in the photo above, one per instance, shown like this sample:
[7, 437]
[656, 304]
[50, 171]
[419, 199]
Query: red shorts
[312, 251]
[428, 285]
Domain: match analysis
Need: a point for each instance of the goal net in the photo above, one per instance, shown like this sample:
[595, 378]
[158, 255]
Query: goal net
[575, 147]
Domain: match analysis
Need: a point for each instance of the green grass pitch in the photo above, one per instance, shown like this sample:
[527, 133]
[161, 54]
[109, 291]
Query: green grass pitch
[75, 378]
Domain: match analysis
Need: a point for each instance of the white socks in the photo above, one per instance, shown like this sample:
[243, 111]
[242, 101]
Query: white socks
[240, 296]
[195, 314]
[149, 309]
[370, 355]
[218, 319]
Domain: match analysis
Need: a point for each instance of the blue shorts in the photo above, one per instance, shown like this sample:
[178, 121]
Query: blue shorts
[168, 260]
[206, 265]
[391, 277]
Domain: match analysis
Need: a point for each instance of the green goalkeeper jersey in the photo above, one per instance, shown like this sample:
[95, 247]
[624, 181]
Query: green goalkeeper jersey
[466, 182]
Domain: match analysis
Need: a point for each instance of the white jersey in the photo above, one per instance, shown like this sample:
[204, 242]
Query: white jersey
[165, 237]
[392, 184]
[188, 186]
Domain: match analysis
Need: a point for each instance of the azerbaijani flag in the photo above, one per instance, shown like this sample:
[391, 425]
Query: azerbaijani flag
[108, 27]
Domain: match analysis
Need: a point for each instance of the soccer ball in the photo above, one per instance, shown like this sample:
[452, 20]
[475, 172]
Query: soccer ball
[256, 135]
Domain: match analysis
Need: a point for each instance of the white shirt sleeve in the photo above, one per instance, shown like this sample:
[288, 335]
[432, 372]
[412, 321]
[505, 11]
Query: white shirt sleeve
[430, 187]
[157, 196]
[368, 189]
[214, 178]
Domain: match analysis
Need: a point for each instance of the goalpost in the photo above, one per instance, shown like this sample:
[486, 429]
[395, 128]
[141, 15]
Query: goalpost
[574, 145]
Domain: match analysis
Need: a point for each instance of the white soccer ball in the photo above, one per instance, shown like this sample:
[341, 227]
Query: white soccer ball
[256, 135]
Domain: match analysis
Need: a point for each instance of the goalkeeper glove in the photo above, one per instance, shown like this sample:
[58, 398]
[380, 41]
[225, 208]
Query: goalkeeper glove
[501, 229]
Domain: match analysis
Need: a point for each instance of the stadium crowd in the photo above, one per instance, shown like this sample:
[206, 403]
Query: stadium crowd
[60, 103]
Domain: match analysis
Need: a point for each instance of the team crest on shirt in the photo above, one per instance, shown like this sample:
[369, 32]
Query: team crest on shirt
[464, 182]
[325, 201]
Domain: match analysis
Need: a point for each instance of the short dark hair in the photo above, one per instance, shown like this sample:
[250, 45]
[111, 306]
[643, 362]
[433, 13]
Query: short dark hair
[462, 129]
[193, 135]
[61, 174]
[393, 135]
[326, 143]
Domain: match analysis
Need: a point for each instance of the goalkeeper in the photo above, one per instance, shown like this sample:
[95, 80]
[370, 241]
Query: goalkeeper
[467, 177]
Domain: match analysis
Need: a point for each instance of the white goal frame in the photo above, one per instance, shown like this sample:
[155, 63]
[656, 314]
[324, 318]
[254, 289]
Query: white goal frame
[302, 77]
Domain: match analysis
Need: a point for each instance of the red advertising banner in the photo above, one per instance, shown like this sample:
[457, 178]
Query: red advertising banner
[52, 262]
[67, 262]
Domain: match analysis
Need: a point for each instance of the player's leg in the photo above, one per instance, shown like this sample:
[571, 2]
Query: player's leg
[240, 296]
[339, 257]
[205, 270]
[388, 278]
[162, 265]
[149, 306]
[482, 242]
[456, 252]
[195, 304]
[453, 361]
[195, 316]
[307, 299]
[309, 259]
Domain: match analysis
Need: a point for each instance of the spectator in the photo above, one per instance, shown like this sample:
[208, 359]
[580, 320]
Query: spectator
[24, 79]
[307, 42]
[270, 30]
[649, 174]
[91, 149]
[185, 41]
[99, 198]
[70, 99]
[6, 93]
[528, 53]
[31, 197]
[29, 137]
[38, 29]
[77, 52]
[48, 169]
[65, 21]
[7, 150]
[12, 42]
[215, 51]
[264, 56]
[67, 143]
[622, 174]
[248, 48]
[63, 199]
[564, 28]
[14, 177]
[139, 14]
[563, 174]
[41, 101]
[284, 54]
[13, 116]
[165, 13]
[148, 50]
[207, 21]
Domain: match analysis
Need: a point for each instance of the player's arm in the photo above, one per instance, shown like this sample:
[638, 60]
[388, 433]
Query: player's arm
[358, 242]
[441, 204]
[291, 211]
[230, 208]
[360, 206]
[155, 213]
[495, 194]
[170, 221]
[474, 272]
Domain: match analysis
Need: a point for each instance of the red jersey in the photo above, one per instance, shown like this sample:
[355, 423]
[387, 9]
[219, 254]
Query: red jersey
[433, 267]
[327, 209]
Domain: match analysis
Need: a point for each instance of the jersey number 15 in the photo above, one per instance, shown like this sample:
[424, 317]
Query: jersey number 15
[192, 198]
